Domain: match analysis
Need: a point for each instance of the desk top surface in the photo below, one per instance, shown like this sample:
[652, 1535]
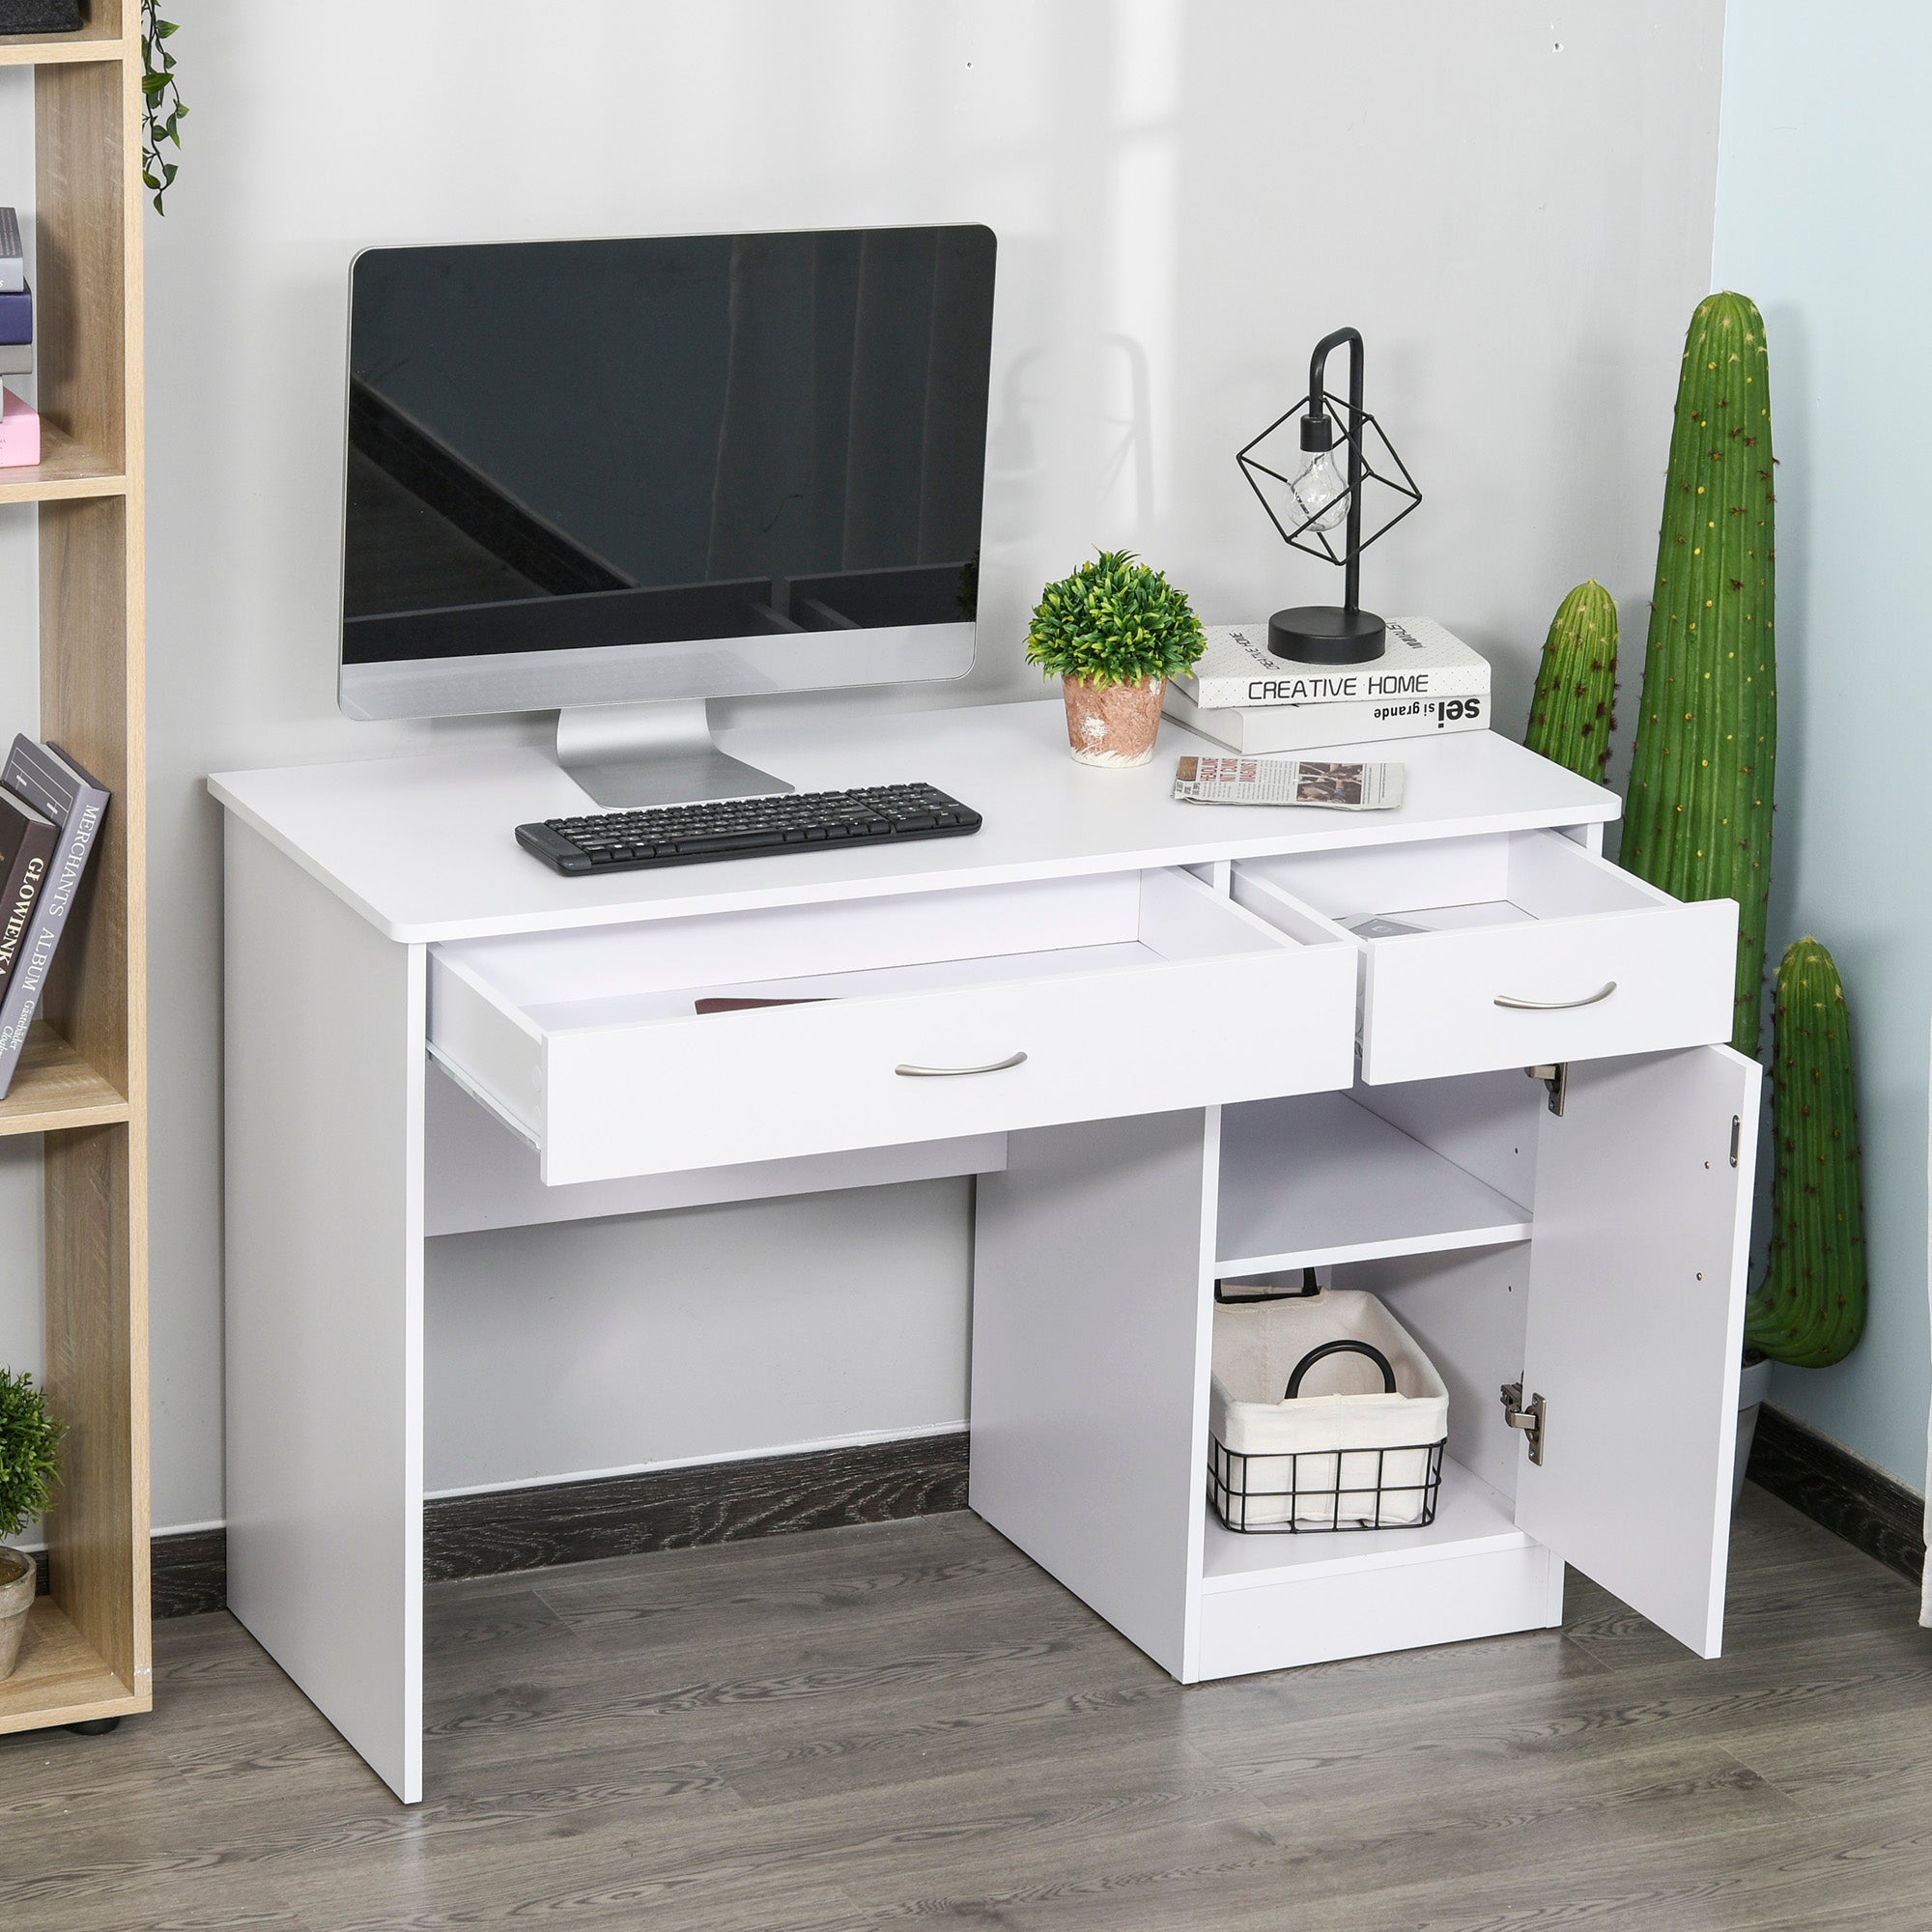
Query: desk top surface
[424, 847]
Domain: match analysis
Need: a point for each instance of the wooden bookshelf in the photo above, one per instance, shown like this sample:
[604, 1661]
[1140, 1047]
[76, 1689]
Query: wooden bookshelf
[83, 1083]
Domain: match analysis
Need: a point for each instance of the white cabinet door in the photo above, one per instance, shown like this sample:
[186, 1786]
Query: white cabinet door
[1635, 1327]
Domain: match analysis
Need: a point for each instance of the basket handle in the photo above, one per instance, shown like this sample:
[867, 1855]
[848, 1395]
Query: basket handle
[1343, 1346]
[1309, 1289]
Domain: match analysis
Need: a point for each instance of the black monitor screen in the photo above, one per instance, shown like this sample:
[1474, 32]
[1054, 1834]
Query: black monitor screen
[564, 443]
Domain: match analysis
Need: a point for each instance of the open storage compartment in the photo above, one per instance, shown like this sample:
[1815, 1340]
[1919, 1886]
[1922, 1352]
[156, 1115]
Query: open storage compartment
[896, 1019]
[1627, 1472]
[1471, 1571]
[1506, 949]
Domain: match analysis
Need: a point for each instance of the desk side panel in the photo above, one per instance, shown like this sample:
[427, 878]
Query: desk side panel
[1092, 1326]
[324, 1299]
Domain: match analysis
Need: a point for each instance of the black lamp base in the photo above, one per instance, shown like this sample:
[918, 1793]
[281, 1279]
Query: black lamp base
[1325, 634]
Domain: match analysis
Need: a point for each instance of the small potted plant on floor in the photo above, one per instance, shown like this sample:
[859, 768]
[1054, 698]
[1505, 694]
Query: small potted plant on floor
[1114, 632]
[29, 1467]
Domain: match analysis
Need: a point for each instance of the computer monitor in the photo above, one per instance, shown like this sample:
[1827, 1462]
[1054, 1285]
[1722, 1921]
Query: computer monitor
[617, 478]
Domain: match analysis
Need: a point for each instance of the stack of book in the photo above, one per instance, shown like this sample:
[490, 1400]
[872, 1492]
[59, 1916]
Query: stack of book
[51, 811]
[19, 423]
[1425, 682]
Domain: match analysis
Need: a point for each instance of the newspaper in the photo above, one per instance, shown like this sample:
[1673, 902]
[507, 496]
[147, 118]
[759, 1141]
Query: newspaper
[1340, 788]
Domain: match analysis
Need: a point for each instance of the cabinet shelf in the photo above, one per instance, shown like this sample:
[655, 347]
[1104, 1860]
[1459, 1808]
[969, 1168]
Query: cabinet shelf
[1472, 1519]
[98, 40]
[61, 1678]
[67, 467]
[55, 1087]
[1317, 1180]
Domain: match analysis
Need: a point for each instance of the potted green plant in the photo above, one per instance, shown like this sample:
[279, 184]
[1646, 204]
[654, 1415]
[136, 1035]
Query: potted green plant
[1114, 632]
[29, 1467]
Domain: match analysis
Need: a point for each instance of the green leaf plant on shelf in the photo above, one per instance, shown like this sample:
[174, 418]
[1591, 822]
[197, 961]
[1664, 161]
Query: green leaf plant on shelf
[1697, 822]
[162, 109]
[1114, 632]
[30, 1440]
[1571, 720]
[1809, 1310]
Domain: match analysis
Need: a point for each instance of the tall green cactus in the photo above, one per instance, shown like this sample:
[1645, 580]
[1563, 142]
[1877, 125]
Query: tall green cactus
[1569, 718]
[1698, 822]
[1810, 1308]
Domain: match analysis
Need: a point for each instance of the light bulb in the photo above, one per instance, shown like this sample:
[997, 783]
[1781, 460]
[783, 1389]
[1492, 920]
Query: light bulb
[1321, 492]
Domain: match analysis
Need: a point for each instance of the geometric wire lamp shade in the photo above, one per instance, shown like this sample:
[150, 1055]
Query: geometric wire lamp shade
[1330, 487]
[1389, 489]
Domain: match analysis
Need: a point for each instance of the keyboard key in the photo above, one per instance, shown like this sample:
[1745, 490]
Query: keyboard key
[726, 842]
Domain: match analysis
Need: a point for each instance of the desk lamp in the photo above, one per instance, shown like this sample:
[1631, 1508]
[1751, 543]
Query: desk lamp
[1309, 493]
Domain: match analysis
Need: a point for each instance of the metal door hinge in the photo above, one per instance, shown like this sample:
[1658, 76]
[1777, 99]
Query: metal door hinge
[1530, 1418]
[1558, 1079]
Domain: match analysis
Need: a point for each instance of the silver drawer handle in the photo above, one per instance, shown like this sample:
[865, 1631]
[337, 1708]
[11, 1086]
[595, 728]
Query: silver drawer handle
[959, 1072]
[1603, 992]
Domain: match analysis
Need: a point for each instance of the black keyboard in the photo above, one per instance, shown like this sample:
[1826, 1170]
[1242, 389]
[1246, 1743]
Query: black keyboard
[742, 827]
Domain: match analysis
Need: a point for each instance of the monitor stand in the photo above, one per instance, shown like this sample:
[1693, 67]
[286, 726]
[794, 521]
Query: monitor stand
[642, 754]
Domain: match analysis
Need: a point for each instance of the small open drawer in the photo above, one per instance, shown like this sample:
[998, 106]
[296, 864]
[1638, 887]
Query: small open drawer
[1507, 950]
[919, 1018]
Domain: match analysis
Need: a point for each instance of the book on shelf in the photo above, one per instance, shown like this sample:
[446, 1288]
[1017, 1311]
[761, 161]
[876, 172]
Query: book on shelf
[19, 431]
[16, 315]
[17, 359]
[13, 256]
[1260, 730]
[1422, 660]
[27, 838]
[46, 779]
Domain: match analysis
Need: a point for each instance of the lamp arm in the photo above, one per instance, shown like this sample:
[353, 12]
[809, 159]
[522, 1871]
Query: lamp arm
[1317, 365]
[1318, 398]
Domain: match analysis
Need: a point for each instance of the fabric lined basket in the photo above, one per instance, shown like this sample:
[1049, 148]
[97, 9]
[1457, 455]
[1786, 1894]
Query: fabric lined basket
[1323, 1414]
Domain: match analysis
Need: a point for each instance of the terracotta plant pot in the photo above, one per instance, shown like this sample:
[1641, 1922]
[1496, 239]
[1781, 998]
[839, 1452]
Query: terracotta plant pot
[16, 1599]
[1112, 724]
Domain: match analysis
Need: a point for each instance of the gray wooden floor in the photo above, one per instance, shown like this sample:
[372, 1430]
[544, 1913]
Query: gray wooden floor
[881, 1726]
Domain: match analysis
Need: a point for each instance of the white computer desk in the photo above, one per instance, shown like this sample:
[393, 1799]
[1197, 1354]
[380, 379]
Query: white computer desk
[428, 1030]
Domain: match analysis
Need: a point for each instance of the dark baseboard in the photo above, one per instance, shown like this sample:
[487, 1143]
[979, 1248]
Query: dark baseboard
[723, 1502]
[1869, 1508]
[625, 1516]
[191, 1573]
[676, 1509]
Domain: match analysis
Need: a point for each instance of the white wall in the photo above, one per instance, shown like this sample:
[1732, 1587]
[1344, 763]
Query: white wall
[1512, 200]
[1821, 187]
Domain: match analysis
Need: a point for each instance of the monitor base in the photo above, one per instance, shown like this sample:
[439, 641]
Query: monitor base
[640, 755]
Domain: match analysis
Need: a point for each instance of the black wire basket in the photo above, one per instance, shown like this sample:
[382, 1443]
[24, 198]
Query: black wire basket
[1317, 1472]
[1318, 1489]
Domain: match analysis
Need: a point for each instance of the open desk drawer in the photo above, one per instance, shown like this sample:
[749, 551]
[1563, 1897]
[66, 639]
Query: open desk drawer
[921, 1017]
[1524, 949]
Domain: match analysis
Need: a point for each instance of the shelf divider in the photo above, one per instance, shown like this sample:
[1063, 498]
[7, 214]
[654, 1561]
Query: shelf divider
[1315, 1181]
[67, 467]
[56, 1088]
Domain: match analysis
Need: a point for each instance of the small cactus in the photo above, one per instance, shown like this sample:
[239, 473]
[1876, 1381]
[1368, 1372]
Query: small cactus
[1569, 718]
[1810, 1308]
[1698, 816]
